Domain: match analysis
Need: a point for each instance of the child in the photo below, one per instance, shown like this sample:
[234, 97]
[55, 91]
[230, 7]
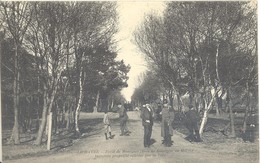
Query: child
[107, 126]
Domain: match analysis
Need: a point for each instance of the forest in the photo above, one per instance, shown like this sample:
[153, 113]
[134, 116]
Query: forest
[59, 58]
[202, 54]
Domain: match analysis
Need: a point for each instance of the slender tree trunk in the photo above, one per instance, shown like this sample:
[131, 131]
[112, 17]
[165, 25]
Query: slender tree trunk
[55, 120]
[205, 114]
[190, 98]
[79, 101]
[112, 102]
[245, 118]
[68, 115]
[217, 104]
[231, 116]
[171, 98]
[247, 107]
[179, 102]
[15, 133]
[97, 100]
[108, 104]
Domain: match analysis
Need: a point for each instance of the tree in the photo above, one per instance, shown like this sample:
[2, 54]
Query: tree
[45, 41]
[17, 17]
[150, 90]
[97, 30]
[189, 44]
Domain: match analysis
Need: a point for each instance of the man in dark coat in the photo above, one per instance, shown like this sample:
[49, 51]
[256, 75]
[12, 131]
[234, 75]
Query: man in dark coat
[147, 121]
[166, 124]
[192, 122]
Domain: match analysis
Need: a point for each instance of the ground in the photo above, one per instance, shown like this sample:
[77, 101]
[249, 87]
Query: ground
[93, 147]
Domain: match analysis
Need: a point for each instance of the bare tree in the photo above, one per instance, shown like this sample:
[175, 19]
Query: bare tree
[17, 17]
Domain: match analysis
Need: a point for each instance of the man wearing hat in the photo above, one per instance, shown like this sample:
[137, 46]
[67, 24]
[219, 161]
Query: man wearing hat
[147, 122]
[192, 120]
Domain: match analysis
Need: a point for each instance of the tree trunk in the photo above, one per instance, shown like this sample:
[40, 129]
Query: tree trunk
[79, 101]
[171, 98]
[108, 104]
[232, 124]
[190, 99]
[247, 107]
[67, 117]
[97, 101]
[47, 109]
[15, 133]
[205, 114]
[112, 102]
[245, 118]
[178, 102]
[231, 115]
[43, 119]
[217, 106]
[69, 114]
[55, 120]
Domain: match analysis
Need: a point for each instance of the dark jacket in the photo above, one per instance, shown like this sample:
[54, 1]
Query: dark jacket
[192, 117]
[146, 116]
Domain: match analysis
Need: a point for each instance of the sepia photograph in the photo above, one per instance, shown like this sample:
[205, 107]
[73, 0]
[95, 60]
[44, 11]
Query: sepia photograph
[129, 81]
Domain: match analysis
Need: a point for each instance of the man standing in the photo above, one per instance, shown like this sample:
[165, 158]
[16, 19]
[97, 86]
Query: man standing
[147, 122]
[166, 125]
[123, 117]
[192, 120]
[106, 122]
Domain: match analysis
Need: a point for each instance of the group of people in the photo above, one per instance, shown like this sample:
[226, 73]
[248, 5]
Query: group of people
[166, 124]
[167, 118]
[123, 117]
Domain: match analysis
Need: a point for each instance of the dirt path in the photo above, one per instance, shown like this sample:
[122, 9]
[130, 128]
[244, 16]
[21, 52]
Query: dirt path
[94, 148]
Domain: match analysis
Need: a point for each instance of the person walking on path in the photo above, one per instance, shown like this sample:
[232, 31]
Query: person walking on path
[147, 122]
[123, 117]
[192, 120]
[166, 124]
[106, 122]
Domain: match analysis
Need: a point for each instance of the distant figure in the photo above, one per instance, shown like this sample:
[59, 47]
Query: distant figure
[158, 111]
[123, 117]
[166, 125]
[192, 122]
[147, 122]
[106, 122]
[251, 127]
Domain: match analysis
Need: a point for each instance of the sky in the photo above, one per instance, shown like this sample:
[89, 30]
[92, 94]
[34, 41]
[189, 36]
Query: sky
[131, 14]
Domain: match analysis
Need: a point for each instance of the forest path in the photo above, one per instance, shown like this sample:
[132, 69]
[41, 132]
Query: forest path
[95, 148]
